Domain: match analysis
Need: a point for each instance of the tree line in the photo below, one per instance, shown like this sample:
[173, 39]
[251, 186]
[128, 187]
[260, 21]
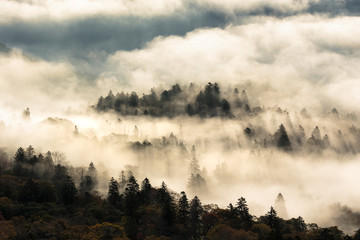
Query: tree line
[177, 101]
[34, 205]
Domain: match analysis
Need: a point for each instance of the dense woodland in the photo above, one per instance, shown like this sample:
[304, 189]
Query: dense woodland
[208, 102]
[44, 197]
[40, 199]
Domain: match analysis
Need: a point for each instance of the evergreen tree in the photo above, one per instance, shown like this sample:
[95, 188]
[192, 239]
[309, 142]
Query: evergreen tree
[271, 219]
[183, 212]
[146, 191]
[243, 211]
[131, 196]
[59, 173]
[145, 185]
[19, 162]
[30, 152]
[225, 106]
[92, 173]
[281, 138]
[123, 182]
[196, 212]
[68, 190]
[48, 166]
[86, 184]
[169, 210]
[134, 100]
[113, 196]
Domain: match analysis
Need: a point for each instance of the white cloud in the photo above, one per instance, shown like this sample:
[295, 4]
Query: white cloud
[297, 56]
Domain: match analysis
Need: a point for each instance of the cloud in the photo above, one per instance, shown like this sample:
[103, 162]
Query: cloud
[84, 42]
[84, 36]
[45, 87]
[299, 57]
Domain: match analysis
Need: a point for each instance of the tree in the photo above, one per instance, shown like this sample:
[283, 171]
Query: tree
[168, 210]
[134, 100]
[243, 211]
[225, 106]
[271, 219]
[113, 196]
[92, 173]
[123, 182]
[86, 184]
[30, 152]
[5, 164]
[299, 224]
[196, 212]
[145, 185]
[131, 196]
[48, 166]
[59, 173]
[281, 139]
[183, 212]
[68, 190]
[19, 162]
[146, 191]
[197, 184]
[357, 235]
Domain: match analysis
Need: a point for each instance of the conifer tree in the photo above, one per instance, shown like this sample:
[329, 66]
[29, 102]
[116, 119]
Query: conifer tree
[113, 196]
[68, 190]
[196, 212]
[183, 212]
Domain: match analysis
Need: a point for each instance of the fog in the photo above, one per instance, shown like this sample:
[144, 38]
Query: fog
[287, 55]
[314, 184]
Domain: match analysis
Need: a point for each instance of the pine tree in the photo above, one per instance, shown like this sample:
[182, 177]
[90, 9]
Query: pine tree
[113, 196]
[145, 185]
[169, 210]
[131, 196]
[92, 173]
[196, 212]
[123, 182]
[281, 139]
[243, 211]
[271, 219]
[68, 190]
[19, 162]
[183, 212]
[86, 184]
[146, 191]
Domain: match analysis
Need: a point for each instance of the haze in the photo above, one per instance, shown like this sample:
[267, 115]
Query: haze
[58, 57]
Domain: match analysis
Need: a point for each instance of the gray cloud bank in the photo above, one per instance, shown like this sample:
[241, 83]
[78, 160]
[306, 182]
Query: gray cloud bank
[77, 35]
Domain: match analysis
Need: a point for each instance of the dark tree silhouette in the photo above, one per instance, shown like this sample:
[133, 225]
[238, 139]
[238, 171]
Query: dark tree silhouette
[131, 196]
[113, 196]
[243, 211]
[281, 139]
[196, 212]
[183, 211]
[19, 162]
[68, 190]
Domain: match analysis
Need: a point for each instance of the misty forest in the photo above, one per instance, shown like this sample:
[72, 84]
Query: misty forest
[180, 119]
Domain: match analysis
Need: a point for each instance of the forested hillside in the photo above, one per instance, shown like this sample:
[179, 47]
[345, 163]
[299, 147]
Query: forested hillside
[40, 199]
